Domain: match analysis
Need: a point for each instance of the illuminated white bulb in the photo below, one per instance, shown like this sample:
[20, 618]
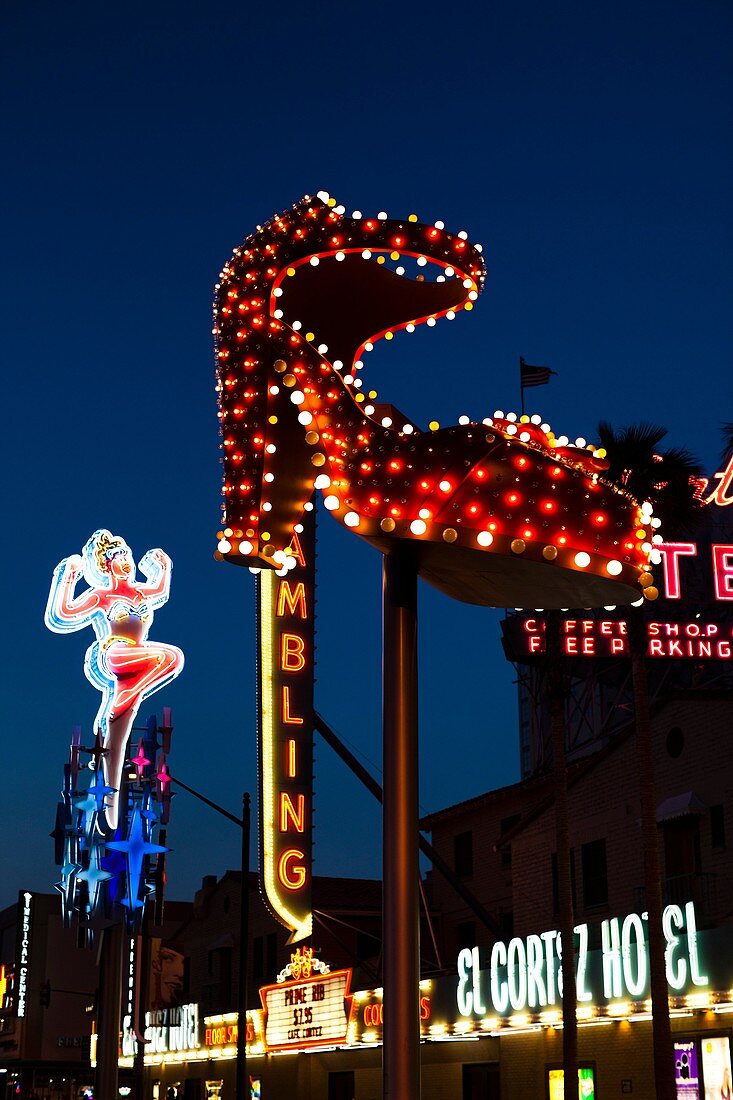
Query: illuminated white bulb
[418, 527]
[484, 538]
[245, 547]
[440, 279]
[562, 441]
[308, 506]
[512, 429]
[450, 315]
[369, 346]
[613, 568]
[340, 209]
[382, 215]
[337, 364]
[305, 417]
[269, 477]
[348, 379]
[352, 519]
[445, 486]
[410, 327]
[298, 528]
[525, 437]
[322, 481]
[399, 271]
[545, 428]
[281, 572]
[580, 442]
[657, 540]
[647, 508]
[498, 414]
[463, 235]
[646, 547]
[440, 225]
[356, 214]
[297, 325]
[408, 429]
[487, 421]
[323, 196]
[274, 390]
[449, 272]
[279, 557]
[464, 419]
[224, 546]
[331, 503]
[638, 603]
[656, 522]
[366, 254]
[323, 348]
[358, 383]
[369, 409]
[511, 416]
[278, 315]
[431, 322]
[278, 291]
[424, 513]
[297, 397]
[386, 421]
[314, 261]
[358, 364]
[582, 560]
[421, 261]
[270, 448]
[655, 557]
[479, 247]
[255, 569]
[266, 506]
[473, 296]
[340, 256]
[535, 419]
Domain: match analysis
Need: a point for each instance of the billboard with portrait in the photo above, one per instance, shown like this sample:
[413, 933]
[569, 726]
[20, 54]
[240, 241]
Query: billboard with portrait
[716, 1068]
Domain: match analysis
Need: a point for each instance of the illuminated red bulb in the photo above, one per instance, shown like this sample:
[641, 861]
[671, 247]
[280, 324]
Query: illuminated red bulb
[398, 242]
[394, 465]
[480, 474]
[370, 225]
[548, 506]
[472, 509]
[459, 245]
[433, 234]
[528, 533]
[336, 241]
[599, 518]
[395, 511]
[562, 540]
[513, 498]
[522, 462]
[366, 467]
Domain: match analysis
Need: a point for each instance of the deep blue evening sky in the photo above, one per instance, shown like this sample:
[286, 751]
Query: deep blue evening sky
[586, 146]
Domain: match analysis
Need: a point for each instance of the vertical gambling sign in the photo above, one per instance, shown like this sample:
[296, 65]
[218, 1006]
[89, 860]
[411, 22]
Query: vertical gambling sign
[285, 731]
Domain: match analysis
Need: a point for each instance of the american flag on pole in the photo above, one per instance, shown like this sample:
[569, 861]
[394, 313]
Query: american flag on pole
[533, 376]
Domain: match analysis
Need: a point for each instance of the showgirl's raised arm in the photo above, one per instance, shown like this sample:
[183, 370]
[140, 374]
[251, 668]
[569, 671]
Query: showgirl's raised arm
[156, 567]
[64, 611]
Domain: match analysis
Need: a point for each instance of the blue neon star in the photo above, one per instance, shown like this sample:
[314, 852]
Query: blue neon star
[94, 876]
[135, 849]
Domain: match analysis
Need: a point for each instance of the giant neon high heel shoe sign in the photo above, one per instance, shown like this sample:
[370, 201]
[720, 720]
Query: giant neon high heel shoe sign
[500, 513]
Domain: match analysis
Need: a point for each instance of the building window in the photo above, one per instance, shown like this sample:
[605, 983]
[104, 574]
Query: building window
[717, 826]
[465, 935]
[463, 854]
[556, 882]
[595, 873]
[675, 742]
[508, 823]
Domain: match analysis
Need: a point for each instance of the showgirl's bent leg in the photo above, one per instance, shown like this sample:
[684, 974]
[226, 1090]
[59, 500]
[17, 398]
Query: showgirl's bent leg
[138, 671]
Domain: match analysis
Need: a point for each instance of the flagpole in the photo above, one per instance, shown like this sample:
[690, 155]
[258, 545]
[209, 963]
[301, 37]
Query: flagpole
[521, 387]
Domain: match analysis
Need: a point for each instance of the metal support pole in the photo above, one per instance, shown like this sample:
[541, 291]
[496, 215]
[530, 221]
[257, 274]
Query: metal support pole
[400, 900]
[243, 1090]
[110, 994]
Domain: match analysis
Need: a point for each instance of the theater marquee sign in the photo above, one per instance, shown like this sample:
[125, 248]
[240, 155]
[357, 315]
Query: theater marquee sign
[312, 1009]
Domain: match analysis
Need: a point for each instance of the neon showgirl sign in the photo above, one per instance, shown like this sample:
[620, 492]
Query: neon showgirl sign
[121, 663]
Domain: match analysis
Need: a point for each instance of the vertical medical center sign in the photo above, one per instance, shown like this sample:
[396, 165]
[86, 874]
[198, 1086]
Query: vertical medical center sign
[285, 605]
